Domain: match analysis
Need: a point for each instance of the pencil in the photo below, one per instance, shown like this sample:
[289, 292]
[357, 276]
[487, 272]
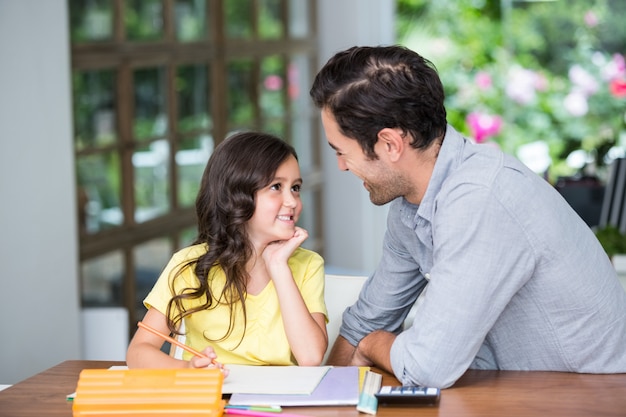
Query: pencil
[252, 413]
[177, 343]
[268, 408]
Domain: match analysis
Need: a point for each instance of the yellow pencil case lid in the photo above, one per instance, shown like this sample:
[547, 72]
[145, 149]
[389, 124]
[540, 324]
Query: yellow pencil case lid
[149, 392]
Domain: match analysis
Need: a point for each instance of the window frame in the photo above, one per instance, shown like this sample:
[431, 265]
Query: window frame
[215, 51]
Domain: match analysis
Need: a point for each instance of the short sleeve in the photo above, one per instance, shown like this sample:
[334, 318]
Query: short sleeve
[308, 272]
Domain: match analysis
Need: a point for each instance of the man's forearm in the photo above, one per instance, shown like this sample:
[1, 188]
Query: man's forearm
[341, 352]
[375, 349]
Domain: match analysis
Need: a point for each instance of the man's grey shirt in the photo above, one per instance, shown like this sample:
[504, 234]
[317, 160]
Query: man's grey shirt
[513, 278]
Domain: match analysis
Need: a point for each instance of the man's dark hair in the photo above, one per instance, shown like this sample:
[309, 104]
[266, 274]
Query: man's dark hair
[368, 89]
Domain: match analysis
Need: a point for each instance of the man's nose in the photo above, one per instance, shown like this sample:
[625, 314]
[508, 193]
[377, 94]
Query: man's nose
[342, 165]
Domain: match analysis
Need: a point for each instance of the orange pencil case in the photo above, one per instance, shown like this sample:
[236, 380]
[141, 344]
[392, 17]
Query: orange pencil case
[149, 392]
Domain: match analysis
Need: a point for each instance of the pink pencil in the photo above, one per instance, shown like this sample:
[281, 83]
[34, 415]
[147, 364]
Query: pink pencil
[252, 413]
[178, 343]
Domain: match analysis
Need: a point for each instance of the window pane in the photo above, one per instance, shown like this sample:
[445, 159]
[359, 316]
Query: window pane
[91, 21]
[150, 258]
[272, 100]
[302, 112]
[307, 217]
[150, 108]
[102, 280]
[238, 20]
[99, 192]
[192, 87]
[240, 93]
[94, 108]
[299, 18]
[143, 19]
[191, 159]
[187, 236]
[152, 190]
[191, 24]
[270, 22]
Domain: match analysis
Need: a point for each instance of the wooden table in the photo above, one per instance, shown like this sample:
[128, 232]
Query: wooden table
[477, 393]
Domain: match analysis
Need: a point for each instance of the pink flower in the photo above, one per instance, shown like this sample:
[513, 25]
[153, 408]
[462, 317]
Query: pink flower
[483, 125]
[619, 63]
[591, 20]
[521, 85]
[583, 80]
[618, 87]
[483, 80]
[293, 79]
[613, 68]
[273, 83]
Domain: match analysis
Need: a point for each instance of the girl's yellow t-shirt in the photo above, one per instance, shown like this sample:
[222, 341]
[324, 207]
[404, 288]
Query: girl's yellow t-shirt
[265, 341]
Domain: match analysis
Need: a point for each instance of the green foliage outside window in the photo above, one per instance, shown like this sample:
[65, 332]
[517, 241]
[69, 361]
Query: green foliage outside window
[519, 72]
[612, 240]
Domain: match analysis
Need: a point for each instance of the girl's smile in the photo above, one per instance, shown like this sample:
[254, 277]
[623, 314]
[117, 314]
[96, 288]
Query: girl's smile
[278, 206]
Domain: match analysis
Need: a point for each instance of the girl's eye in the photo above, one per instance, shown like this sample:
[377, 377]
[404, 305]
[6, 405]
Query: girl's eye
[296, 188]
[275, 187]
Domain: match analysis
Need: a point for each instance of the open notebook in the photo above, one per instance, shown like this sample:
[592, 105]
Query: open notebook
[250, 379]
[340, 386]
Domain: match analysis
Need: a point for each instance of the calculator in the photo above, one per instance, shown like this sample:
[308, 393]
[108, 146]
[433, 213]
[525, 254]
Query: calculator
[407, 395]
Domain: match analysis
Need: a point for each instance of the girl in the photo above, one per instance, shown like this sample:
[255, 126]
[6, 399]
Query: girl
[247, 292]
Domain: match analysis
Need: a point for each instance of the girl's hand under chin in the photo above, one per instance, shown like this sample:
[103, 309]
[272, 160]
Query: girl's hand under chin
[281, 250]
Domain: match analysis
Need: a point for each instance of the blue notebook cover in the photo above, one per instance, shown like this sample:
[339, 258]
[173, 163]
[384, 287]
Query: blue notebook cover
[340, 386]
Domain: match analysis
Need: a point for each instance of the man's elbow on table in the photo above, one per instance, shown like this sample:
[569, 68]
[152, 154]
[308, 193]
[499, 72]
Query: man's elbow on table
[431, 381]
[411, 371]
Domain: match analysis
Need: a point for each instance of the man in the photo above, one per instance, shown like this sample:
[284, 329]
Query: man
[512, 277]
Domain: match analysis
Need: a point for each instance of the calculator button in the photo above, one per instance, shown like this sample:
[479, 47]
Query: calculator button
[385, 390]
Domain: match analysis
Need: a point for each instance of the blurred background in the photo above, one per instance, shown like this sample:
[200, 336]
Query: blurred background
[110, 109]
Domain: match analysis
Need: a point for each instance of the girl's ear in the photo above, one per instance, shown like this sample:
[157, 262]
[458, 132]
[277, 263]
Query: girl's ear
[391, 142]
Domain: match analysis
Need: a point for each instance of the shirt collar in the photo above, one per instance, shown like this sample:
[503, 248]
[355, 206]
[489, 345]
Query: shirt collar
[447, 161]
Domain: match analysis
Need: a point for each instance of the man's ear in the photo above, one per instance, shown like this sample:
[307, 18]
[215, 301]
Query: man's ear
[391, 142]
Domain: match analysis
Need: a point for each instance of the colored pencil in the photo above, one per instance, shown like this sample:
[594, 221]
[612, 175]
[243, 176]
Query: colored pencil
[252, 413]
[177, 343]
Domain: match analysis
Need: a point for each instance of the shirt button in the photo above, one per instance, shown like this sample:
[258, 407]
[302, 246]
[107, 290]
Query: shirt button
[427, 276]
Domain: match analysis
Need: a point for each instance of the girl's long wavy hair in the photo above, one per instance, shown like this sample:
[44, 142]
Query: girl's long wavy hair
[239, 167]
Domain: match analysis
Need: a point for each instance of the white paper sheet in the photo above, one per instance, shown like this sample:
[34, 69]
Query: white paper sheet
[249, 379]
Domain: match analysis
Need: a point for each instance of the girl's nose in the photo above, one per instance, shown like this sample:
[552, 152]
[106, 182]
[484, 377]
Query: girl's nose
[289, 200]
